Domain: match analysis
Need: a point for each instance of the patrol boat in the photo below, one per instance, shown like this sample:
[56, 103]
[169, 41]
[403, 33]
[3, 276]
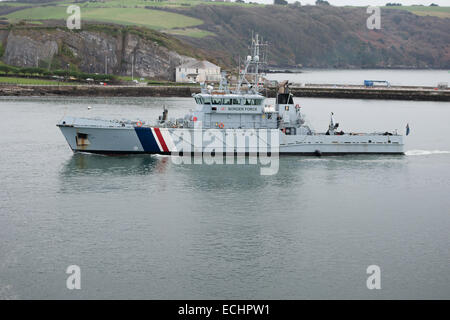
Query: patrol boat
[238, 121]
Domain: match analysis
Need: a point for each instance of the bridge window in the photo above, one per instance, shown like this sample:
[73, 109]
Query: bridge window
[252, 102]
[282, 98]
[227, 101]
[285, 98]
[216, 101]
[236, 101]
[206, 100]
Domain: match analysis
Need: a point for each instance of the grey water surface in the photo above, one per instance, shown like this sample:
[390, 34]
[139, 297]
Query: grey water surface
[144, 227]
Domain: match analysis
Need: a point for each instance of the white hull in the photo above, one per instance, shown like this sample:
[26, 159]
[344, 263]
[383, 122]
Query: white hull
[108, 137]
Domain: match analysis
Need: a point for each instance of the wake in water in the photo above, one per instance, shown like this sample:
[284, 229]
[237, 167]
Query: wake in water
[425, 152]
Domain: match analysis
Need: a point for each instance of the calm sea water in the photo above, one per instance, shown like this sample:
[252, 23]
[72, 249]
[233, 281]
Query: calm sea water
[143, 227]
[357, 77]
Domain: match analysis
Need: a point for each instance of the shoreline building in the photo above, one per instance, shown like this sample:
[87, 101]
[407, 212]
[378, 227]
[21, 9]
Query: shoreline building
[197, 72]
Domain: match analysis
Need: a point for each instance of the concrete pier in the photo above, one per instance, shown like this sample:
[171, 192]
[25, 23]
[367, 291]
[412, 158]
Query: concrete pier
[316, 91]
[358, 92]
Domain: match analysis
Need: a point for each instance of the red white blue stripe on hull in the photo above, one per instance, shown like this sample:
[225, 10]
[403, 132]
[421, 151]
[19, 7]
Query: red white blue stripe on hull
[155, 140]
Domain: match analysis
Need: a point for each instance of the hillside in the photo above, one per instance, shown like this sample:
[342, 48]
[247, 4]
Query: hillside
[311, 36]
[327, 36]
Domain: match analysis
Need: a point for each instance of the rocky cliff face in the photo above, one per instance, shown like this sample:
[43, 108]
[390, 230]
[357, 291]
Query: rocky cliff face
[90, 51]
[25, 51]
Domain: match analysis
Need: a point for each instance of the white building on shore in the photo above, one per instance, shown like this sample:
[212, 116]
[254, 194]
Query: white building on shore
[197, 72]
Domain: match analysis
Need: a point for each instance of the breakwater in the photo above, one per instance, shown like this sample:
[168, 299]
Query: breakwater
[318, 91]
[356, 92]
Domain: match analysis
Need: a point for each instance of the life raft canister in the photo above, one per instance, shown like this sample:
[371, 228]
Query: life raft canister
[139, 124]
[221, 125]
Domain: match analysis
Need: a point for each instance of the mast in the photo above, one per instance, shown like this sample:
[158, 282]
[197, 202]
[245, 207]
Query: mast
[253, 62]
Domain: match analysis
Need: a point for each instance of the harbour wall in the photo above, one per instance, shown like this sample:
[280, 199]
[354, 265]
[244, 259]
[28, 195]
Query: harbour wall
[318, 91]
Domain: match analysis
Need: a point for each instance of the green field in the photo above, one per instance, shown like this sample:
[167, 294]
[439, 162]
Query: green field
[123, 12]
[167, 3]
[16, 80]
[441, 12]
[190, 32]
[153, 19]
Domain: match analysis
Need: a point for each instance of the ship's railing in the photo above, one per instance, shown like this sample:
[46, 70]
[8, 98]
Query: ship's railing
[360, 134]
